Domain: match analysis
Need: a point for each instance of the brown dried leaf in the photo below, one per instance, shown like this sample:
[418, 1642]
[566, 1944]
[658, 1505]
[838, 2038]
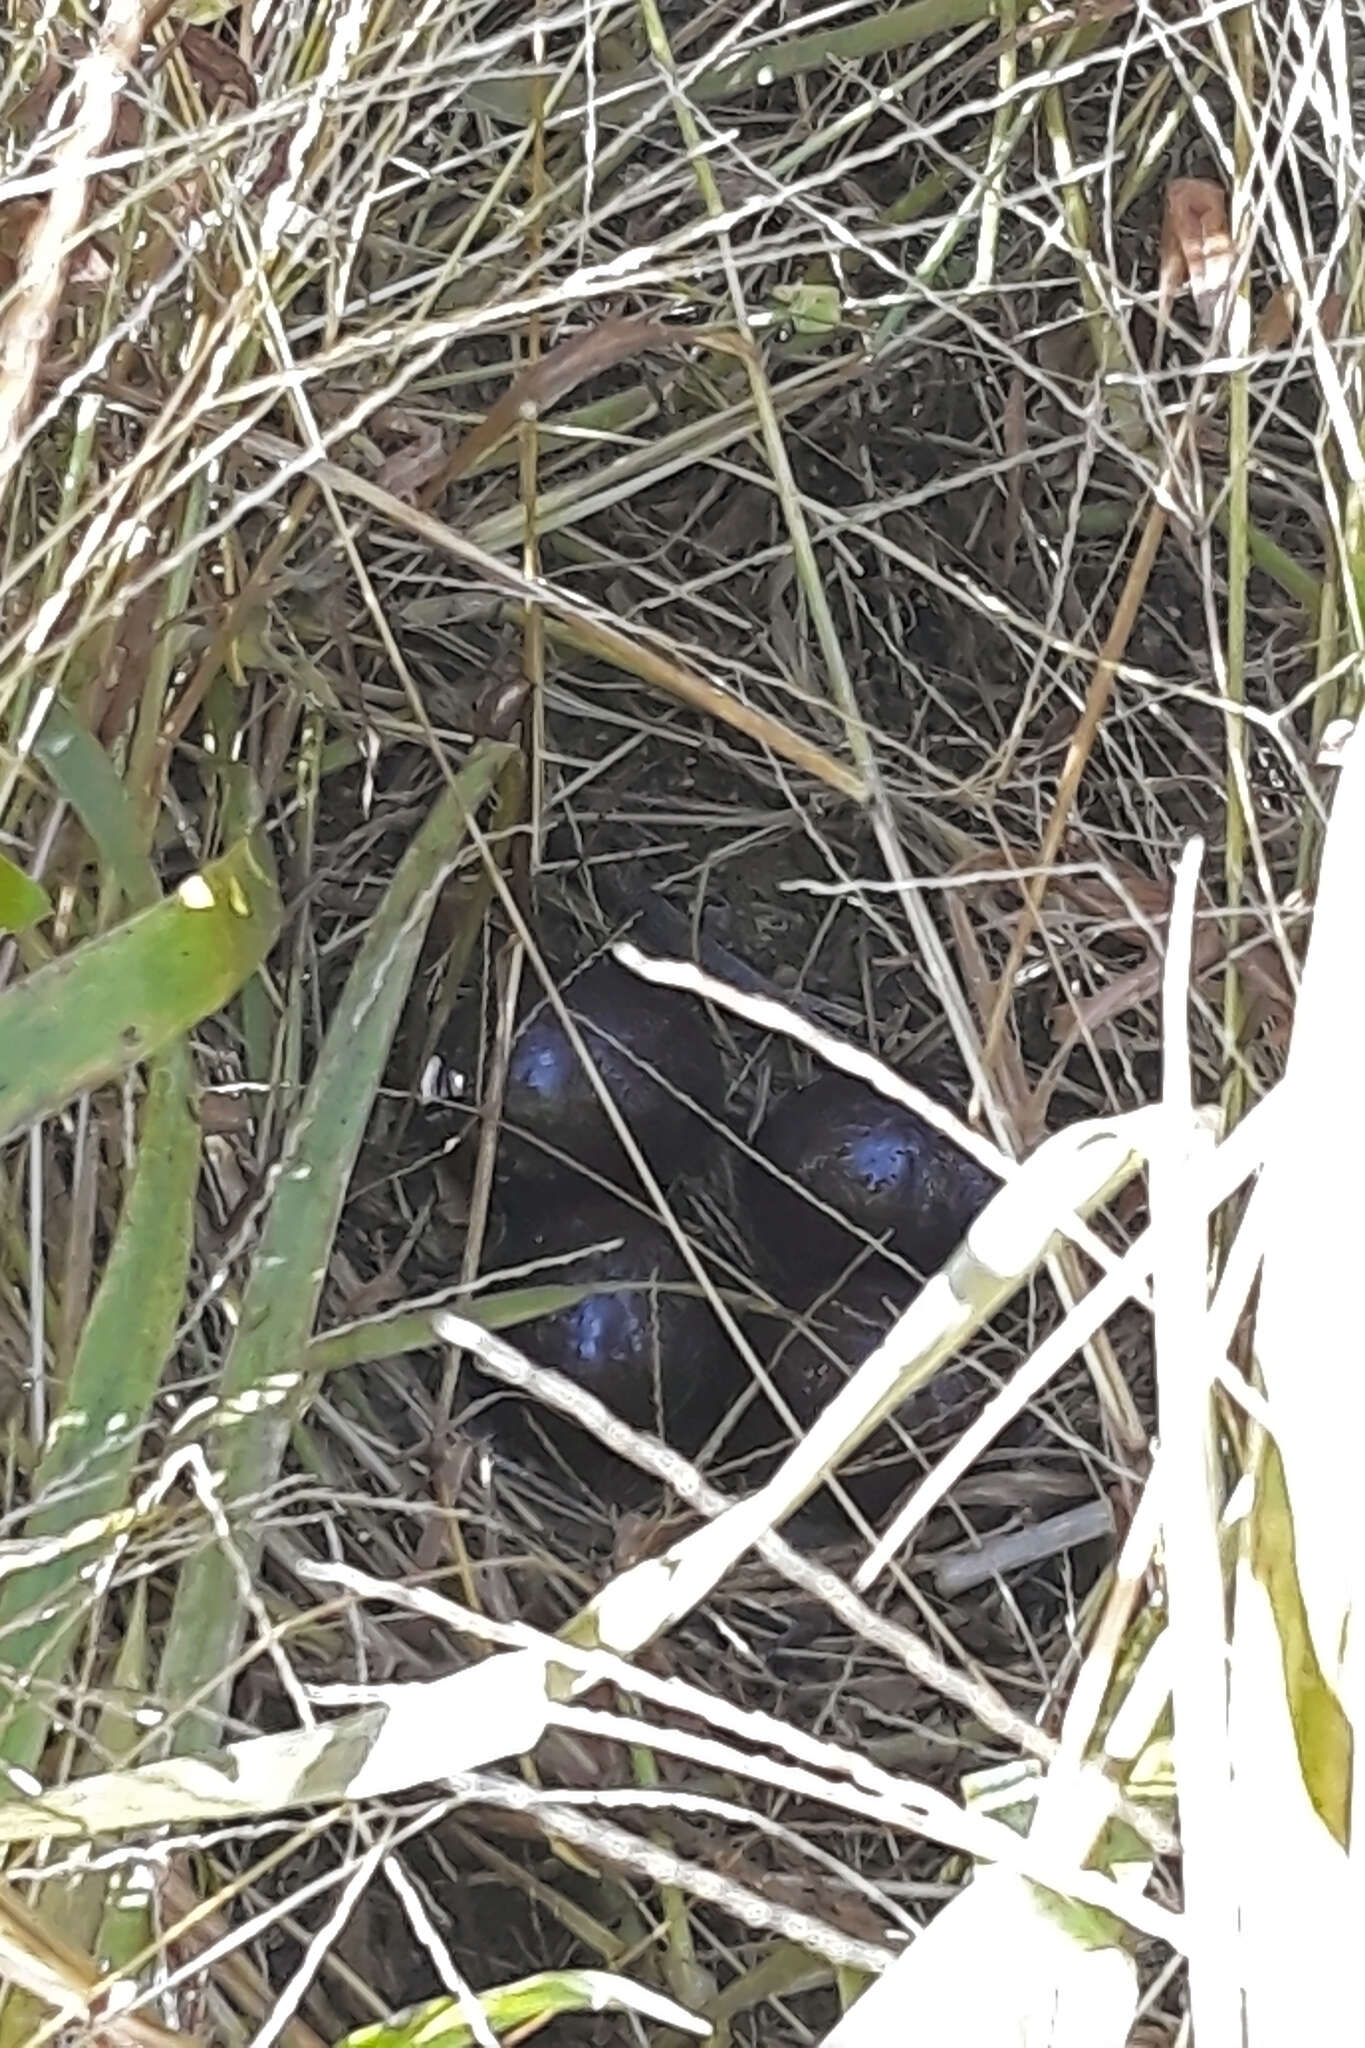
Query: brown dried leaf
[32, 110]
[1280, 316]
[1260, 967]
[499, 706]
[543, 383]
[120, 687]
[88, 270]
[35, 108]
[1275, 322]
[1195, 246]
[405, 472]
[277, 163]
[216, 68]
[126, 132]
[16, 222]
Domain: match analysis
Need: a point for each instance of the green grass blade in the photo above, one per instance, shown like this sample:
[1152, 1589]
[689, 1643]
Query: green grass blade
[401, 1331]
[93, 1443]
[263, 1390]
[74, 1911]
[631, 96]
[119, 1903]
[527, 2004]
[79, 768]
[83, 1019]
[66, 1013]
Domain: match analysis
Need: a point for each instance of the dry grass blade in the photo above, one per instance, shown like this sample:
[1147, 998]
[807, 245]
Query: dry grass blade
[57, 1977]
[541, 385]
[1190, 1508]
[1237, 1158]
[895, 28]
[28, 323]
[770, 1014]
[678, 679]
[595, 636]
[1297, 1705]
[1044, 1960]
[499, 1707]
[975, 1696]
[1074, 1173]
[1073, 768]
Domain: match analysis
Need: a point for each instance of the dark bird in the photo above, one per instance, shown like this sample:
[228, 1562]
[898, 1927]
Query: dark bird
[641, 1338]
[656, 1052]
[852, 1167]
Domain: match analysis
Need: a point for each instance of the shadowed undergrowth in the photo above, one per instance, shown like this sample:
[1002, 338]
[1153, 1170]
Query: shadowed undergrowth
[876, 490]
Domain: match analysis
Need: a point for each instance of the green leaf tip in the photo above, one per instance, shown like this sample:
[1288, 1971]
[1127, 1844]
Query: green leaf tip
[22, 902]
[84, 1019]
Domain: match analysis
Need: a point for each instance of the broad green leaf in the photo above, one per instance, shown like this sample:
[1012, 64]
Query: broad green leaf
[114, 1000]
[1297, 1895]
[22, 902]
[264, 1389]
[63, 1028]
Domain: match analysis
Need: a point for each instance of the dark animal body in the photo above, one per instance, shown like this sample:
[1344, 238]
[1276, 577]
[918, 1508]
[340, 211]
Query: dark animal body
[848, 1192]
[655, 1052]
[810, 1361]
[840, 1167]
[642, 1339]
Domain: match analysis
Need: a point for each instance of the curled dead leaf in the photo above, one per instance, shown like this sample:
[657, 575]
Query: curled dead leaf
[413, 465]
[29, 113]
[1280, 316]
[33, 110]
[1269, 996]
[1275, 322]
[1196, 246]
[544, 383]
[216, 68]
[90, 266]
[276, 164]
